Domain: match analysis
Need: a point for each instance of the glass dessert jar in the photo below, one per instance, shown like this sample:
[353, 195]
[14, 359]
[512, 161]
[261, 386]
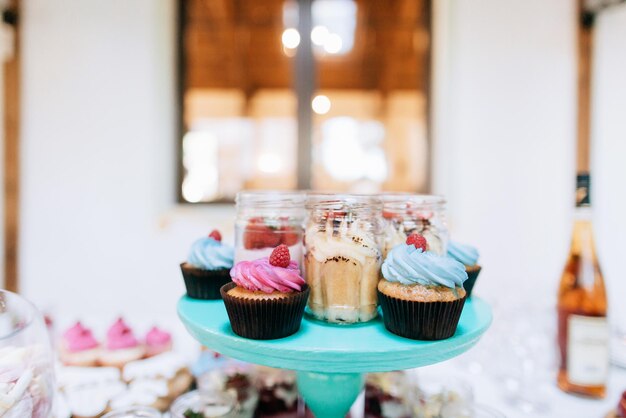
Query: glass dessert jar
[405, 214]
[266, 219]
[343, 256]
[134, 412]
[27, 384]
[205, 404]
[235, 378]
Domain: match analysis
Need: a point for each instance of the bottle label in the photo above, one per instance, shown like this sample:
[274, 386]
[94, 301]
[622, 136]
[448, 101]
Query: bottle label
[583, 190]
[587, 350]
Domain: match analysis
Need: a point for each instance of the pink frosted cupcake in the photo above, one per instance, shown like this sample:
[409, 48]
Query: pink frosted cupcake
[121, 346]
[267, 297]
[79, 347]
[157, 342]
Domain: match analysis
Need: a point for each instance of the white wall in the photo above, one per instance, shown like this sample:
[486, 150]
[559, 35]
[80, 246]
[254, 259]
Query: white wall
[609, 151]
[506, 157]
[506, 146]
[100, 229]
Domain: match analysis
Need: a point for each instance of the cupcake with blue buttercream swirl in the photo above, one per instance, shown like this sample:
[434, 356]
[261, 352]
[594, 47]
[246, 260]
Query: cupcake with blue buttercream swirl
[207, 267]
[421, 293]
[468, 256]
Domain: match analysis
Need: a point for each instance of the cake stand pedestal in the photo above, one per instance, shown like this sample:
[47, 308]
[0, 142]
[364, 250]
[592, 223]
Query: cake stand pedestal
[331, 360]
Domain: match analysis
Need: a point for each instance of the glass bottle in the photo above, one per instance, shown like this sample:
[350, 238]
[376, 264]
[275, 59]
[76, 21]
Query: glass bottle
[266, 219]
[583, 332]
[343, 256]
[406, 213]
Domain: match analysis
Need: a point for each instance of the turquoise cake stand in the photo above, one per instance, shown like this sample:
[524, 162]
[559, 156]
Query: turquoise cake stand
[331, 360]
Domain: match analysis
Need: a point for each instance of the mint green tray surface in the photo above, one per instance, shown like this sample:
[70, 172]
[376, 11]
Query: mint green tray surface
[331, 360]
[322, 347]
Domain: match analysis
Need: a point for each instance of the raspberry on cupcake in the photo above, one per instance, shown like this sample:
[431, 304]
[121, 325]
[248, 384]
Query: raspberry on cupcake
[421, 293]
[468, 256]
[267, 297]
[207, 267]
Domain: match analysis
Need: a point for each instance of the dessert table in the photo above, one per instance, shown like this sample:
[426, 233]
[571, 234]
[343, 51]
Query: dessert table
[331, 360]
[490, 391]
[487, 388]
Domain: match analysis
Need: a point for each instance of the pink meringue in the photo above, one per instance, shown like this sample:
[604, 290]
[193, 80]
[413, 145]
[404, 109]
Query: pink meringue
[79, 338]
[260, 275]
[120, 336]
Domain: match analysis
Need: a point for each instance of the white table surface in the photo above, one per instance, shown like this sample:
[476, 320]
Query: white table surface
[487, 390]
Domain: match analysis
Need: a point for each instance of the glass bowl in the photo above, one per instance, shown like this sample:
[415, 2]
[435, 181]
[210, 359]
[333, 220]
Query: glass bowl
[26, 360]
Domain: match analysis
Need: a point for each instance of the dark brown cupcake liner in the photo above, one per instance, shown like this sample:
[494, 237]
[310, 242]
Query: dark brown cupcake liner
[421, 320]
[204, 284]
[472, 275]
[265, 319]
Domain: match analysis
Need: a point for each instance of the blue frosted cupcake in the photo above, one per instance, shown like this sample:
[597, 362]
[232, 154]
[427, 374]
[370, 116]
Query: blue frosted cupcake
[421, 293]
[207, 267]
[468, 256]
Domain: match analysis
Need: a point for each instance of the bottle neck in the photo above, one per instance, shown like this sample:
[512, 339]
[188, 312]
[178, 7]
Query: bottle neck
[582, 213]
[582, 237]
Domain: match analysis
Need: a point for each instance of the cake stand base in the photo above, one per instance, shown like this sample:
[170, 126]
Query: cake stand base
[331, 361]
[330, 395]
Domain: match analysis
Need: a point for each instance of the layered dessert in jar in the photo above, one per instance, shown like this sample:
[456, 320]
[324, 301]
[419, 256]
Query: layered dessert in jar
[436, 396]
[203, 404]
[385, 395]
[406, 214]
[267, 219]
[233, 377]
[343, 257]
[278, 393]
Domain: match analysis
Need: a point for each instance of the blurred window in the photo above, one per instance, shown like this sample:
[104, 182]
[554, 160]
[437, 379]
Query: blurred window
[357, 105]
